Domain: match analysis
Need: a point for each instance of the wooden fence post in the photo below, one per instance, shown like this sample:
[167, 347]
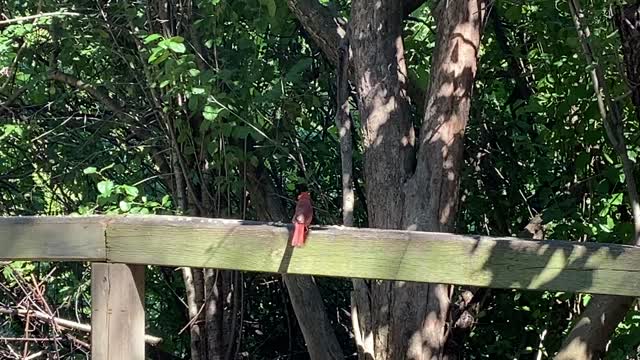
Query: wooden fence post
[117, 312]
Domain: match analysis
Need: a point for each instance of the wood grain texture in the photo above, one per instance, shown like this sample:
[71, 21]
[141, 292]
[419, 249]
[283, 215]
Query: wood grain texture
[62, 238]
[329, 251]
[117, 312]
[377, 254]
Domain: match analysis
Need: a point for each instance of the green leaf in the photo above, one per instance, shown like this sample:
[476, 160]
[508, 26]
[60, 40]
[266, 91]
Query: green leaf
[105, 187]
[616, 199]
[176, 44]
[130, 190]
[197, 91]
[124, 206]
[226, 131]
[158, 55]
[296, 70]
[211, 113]
[152, 37]
[241, 132]
[205, 126]
[607, 157]
[90, 170]
[582, 162]
[514, 13]
[177, 47]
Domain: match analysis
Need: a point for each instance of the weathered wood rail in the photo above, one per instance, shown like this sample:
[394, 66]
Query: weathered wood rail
[119, 246]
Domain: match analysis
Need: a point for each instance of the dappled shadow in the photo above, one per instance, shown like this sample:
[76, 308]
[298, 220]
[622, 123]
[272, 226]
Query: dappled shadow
[558, 266]
[411, 187]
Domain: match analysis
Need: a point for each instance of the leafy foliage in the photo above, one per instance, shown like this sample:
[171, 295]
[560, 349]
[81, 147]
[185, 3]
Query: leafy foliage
[212, 93]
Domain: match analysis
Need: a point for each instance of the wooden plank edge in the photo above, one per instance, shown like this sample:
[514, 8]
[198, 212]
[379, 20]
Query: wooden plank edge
[31, 229]
[279, 230]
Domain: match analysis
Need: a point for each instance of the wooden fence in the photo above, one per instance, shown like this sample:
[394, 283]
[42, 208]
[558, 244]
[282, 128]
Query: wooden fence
[120, 246]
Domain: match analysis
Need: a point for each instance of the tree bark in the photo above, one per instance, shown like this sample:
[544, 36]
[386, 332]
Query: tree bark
[627, 20]
[344, 126]
[312, 317]
[432, 193]
[328, 29]
[214, 298]
[409, 319]
[194, 329]
[389, 139]
[592, 330]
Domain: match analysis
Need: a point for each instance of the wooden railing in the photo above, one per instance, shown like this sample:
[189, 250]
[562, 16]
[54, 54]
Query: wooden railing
[120, 246]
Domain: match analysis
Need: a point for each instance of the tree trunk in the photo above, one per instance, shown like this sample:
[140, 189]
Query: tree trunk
[214, 297]
[627, 20]
[409, 319]
[312, 317]
[327, 29]
[592, 330]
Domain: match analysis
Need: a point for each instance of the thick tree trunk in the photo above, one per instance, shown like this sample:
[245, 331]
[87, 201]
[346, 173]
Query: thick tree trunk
[409, 319]
[389, 139]
[405, 321]
[592, 330]
[214, 298]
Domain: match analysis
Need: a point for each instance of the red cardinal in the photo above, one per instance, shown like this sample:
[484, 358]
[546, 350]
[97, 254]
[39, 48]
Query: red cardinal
[302, 219]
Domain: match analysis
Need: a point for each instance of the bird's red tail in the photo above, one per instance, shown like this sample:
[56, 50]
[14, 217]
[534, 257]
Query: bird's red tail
[298, 234]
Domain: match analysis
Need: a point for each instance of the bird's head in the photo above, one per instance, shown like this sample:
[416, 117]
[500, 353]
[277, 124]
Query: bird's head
[304, 195]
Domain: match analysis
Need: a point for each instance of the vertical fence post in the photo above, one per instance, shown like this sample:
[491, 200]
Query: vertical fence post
[117, 312]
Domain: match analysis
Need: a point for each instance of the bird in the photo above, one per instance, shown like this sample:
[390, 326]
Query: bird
[302, 219]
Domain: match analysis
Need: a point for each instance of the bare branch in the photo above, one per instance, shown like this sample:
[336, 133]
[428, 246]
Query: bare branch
[37, 16]
[92, 90]
[149, 339]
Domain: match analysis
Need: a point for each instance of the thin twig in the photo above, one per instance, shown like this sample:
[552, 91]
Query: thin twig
[43, 301]
[37, 16]
[28, 339]
[149, 339]
[35, 355]
[610, 113]
[194, 319]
